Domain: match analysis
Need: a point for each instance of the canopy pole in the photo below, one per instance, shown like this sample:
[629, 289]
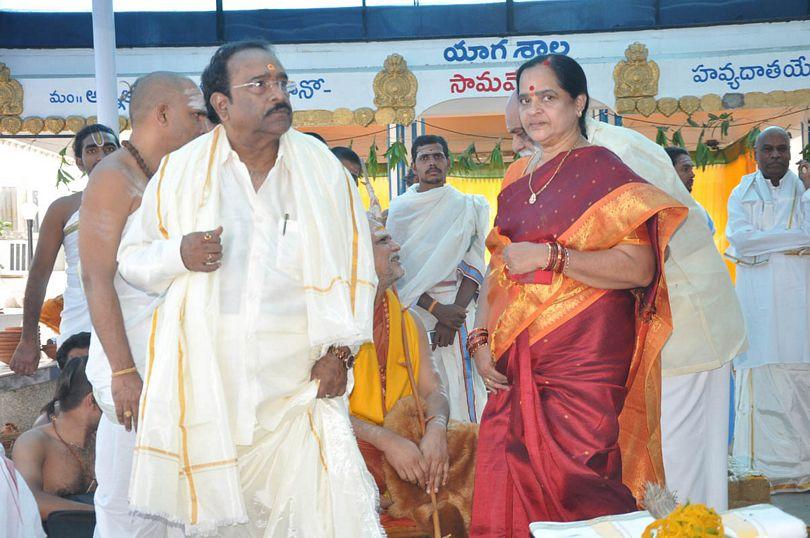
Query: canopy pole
[106, 76]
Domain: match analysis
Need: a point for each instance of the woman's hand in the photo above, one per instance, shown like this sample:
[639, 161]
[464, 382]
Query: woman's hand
[525, 257]
[493, 379]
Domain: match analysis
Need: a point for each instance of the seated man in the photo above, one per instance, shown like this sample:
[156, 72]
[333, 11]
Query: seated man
[381, 379]
[57, 460]
[75, 346]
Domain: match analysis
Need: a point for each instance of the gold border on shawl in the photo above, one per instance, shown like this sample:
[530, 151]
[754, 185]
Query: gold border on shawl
[70, 229]
[184, 433]
[211, 155]
[161, 227]
[355, 235]
[334, 281]
[211, 464]
[317, 439]
[149, 364]
[160, 451]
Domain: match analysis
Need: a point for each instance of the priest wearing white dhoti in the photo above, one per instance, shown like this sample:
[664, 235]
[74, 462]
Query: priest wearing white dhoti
[442, 233]
[769, 235]
[708, 332]
[244, 426]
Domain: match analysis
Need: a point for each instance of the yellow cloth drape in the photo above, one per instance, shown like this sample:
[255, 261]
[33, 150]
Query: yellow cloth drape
[366, 399]
[712, 188]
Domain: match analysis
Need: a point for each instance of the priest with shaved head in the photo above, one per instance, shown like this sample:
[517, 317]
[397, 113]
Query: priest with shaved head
[166, 111]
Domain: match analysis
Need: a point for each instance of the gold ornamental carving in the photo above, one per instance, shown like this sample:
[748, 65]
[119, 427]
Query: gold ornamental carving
[625, 105]
[363, 116]
[756, 100]
[342, 116]
[689, 104]
[74, 124]
[55, 124]
[385, 115]
[667, 106]
[395, 89]
[404, 116]
[11, 124]
[33, 125]
[710, 102]
[11, 93]
[646, 105]
[636, 76]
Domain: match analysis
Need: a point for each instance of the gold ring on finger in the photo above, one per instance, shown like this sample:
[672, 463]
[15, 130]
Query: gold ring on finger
[207, 236]
[127, 414]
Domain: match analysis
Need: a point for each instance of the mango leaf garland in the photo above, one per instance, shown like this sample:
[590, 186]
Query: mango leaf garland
[372, 165]
[63, 177]
[397, 153]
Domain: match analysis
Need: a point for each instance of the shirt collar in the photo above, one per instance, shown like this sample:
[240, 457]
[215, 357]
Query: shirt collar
[230, 154]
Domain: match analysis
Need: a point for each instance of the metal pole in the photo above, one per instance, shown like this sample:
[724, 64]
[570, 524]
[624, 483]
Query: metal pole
[106, 75]
[30, 224]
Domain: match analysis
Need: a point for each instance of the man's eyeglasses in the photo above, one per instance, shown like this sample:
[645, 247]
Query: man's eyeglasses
[260, 87]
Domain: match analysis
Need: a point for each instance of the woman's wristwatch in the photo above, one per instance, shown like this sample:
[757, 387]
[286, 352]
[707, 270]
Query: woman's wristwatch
[344, 354]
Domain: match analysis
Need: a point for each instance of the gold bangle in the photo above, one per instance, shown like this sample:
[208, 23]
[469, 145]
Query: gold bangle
[125, 371]
[432, 306]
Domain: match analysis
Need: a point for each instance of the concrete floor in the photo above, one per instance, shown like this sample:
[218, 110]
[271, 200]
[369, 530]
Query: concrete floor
[795, 504]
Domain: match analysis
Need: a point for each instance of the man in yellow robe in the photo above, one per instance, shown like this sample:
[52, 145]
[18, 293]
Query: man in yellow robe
[381, 379]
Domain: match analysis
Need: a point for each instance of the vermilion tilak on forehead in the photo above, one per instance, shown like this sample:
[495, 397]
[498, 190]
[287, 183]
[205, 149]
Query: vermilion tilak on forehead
[547, 62]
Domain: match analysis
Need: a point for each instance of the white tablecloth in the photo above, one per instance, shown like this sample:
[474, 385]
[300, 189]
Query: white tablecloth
[758, 521]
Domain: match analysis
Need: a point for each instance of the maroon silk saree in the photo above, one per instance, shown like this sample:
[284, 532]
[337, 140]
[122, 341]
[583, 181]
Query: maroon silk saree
[578, 433]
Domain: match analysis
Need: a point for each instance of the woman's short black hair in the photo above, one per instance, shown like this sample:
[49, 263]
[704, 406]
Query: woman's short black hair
[215, 77]
[86, 131]
[570, 77]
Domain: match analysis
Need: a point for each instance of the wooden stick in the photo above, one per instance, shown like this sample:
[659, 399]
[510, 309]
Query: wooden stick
[420, 413]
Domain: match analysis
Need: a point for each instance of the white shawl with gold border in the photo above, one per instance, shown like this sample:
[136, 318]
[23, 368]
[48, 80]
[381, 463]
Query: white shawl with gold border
[185, 464]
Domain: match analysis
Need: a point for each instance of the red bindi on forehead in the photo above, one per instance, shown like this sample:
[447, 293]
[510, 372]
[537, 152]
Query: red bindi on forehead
[531, 88]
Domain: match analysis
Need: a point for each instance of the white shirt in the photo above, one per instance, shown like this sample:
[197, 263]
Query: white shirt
[767, 225]
[260, 274]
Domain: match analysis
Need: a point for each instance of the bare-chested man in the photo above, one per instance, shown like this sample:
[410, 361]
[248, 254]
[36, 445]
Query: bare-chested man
[60, 226]
[57, 459]
[166, 111]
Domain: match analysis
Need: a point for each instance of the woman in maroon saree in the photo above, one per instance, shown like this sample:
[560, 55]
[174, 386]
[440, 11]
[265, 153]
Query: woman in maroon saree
[576, 313]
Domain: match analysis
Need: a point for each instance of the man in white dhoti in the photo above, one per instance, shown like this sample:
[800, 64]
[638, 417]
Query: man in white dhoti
[244, 425]
[60, 227]
[708, 331]
[769, 235]
[166, 111]
[442, 233]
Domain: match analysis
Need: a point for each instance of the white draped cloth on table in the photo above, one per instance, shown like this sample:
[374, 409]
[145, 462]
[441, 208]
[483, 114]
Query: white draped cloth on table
[769, 234]
[442, 233]
[232, 438]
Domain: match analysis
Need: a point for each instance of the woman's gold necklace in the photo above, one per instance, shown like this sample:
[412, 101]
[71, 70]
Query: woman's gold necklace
[533, 197]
